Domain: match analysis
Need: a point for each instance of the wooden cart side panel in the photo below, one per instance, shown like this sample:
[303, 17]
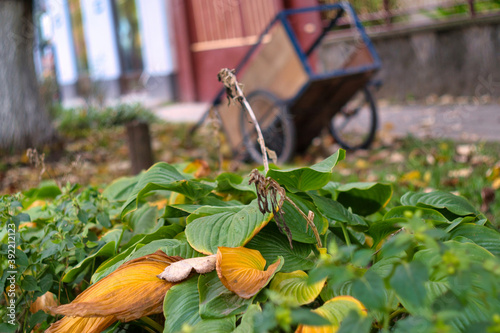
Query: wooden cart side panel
[277, 68]
[361, 57]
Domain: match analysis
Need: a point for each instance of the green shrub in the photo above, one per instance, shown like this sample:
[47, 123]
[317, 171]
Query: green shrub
[77, 121]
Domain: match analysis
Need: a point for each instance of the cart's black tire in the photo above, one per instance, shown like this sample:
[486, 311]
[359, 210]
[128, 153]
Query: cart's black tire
[276, 125]
[362, 123]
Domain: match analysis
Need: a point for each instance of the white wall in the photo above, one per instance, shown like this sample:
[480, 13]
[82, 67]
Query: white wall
[62, 39]
[157, 44]
[100, 39]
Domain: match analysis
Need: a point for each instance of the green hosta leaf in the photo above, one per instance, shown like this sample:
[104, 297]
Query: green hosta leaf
[476, 311]
[272, 243]
[232, 228]
[426, 213]
[381, 229]
[112, 264]
[208, 210]
[163, 176]
[333, 289]
[436, 289]
[181, 305]
[144, 220]
[120, 189]
[216, 301]
[107, 250]
[171, 247]
[482, 236]
[458, 221]
[466, 252]
[225, 325]
[169, 231]
[336, 309]
[294, 286]
[363, 198]
[247, 320]
[235, 185]
[307, 178]
[296, 222]
[385, 266]
[113, 235]
[440, 200]
[336, 212]
[408, 281]
[180, 210]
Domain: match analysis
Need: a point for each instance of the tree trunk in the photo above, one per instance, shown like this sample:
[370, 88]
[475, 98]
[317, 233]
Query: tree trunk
[139, 146]
[24, 121]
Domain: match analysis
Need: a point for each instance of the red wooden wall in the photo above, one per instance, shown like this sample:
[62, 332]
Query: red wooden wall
[213, 34]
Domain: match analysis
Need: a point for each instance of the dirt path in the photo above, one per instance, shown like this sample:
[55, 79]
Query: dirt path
[459, 122]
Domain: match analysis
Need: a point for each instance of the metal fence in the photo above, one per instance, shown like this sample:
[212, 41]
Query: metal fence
[387, 12]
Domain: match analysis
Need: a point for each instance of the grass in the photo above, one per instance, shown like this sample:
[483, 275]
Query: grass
[424, 165]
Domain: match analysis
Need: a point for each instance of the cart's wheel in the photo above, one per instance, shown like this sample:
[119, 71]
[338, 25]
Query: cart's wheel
[354, 126]
[275, 123]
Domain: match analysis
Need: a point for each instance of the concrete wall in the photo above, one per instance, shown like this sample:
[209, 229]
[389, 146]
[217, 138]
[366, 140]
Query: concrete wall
[459, 58]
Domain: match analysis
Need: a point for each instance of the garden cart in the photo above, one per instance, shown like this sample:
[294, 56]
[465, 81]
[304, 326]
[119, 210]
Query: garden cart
[296, 90]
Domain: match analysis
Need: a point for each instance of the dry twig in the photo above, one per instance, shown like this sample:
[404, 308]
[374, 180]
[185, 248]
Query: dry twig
[234, 92]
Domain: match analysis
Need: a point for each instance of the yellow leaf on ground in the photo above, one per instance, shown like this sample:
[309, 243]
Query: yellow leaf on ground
[241, 270]
[410, 176]
[131, 292]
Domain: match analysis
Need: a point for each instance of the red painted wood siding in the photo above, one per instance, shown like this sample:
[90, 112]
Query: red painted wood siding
[221, 32]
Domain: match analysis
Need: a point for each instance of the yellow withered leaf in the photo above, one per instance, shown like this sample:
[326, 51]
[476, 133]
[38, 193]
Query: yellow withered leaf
[241, 270]
[294, 286]
[80, 324]
[334, 310]
[44, 303]
[131, 292]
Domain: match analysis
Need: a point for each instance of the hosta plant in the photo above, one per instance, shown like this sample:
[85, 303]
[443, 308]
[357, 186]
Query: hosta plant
[168, 252]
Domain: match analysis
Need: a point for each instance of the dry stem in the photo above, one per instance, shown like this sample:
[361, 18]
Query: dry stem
[310, 221]
[234, 92]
